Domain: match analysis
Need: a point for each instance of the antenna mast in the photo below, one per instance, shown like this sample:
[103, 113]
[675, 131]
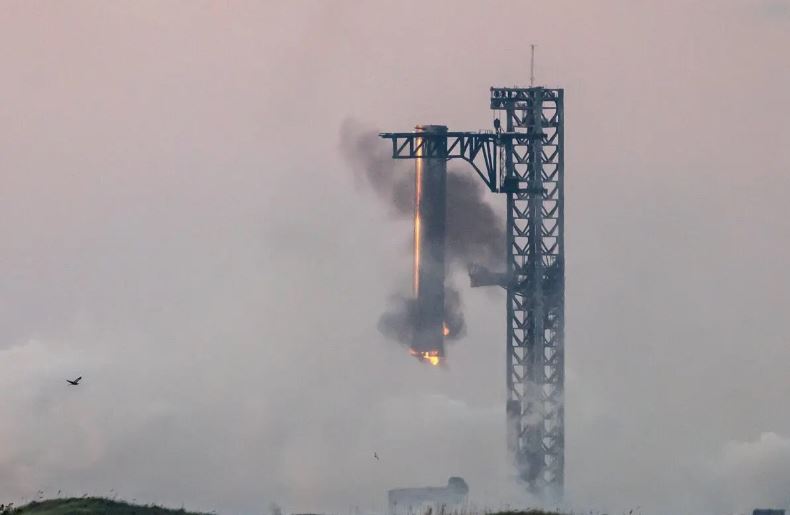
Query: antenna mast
[532, 66]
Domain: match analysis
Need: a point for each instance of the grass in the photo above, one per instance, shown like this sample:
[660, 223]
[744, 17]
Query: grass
[90, 506]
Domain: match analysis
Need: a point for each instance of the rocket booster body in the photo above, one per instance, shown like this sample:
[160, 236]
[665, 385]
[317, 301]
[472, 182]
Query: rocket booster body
[429, 242]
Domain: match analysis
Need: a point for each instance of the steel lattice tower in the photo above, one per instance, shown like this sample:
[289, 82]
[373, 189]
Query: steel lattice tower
[524, 161]
[533, 183]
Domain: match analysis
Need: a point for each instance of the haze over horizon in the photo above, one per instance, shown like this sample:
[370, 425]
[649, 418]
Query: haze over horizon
[180, 227]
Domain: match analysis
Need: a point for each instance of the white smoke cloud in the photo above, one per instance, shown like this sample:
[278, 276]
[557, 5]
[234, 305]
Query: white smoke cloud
[752, 474]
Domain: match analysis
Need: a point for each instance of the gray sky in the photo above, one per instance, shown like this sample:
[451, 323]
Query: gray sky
[179, 226]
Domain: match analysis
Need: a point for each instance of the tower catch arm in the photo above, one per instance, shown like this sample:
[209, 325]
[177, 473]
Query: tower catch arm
[468, 146]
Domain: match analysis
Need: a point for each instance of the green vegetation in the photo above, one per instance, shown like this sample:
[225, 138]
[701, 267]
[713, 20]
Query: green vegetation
[89, 506]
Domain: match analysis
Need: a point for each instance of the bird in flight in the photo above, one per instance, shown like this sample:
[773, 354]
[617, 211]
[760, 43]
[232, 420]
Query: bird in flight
[375, 455]
[75, 382]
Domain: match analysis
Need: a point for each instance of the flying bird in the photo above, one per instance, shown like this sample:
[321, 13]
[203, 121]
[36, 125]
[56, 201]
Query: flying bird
[75, 382]
[375, 455]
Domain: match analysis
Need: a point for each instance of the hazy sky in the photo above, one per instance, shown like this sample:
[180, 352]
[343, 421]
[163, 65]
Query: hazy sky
[178, 225]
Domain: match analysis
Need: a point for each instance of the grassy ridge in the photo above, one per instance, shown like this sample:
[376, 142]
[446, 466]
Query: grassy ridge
[91, 506]
[101, 506]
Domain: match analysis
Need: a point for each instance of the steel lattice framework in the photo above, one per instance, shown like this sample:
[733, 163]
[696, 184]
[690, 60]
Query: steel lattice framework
[533, 183]
[524, 160]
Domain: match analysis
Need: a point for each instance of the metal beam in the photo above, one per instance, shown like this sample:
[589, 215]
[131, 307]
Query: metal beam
[472, 147]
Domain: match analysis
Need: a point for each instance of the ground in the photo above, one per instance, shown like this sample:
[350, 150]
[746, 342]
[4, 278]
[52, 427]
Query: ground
[100, 506]
[90, 506]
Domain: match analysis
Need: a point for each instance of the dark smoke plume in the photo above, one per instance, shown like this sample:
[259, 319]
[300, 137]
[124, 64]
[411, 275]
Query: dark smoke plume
[400, 320]
[475, 233]
[373, 167]
[453, 313]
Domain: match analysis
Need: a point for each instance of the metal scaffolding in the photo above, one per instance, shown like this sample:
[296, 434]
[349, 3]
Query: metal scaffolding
[533, 183]
[524, 161]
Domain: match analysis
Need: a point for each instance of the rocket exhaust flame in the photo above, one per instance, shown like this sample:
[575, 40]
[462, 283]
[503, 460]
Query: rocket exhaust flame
[431, 357]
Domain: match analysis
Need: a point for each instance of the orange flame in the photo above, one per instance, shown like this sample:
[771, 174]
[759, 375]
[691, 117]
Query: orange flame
[431, 357]
[445, 330]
